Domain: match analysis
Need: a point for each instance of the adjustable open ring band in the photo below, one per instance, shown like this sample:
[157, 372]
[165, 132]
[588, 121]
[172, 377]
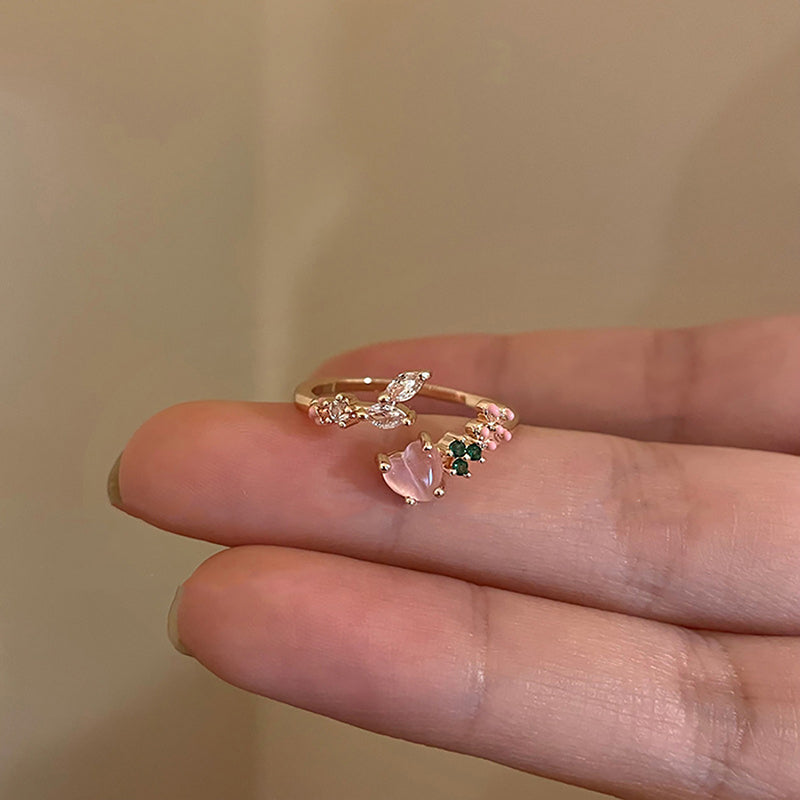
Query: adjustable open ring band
[418, 472]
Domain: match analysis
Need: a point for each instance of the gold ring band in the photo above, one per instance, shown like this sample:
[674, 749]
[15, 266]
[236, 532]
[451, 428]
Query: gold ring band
[417, 473]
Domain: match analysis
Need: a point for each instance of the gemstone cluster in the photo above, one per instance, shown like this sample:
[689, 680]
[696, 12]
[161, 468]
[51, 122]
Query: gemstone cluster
[387, 413]
[417, 472]
[459, 453]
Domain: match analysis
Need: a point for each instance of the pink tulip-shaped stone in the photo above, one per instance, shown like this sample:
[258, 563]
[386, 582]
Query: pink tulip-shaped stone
[415, 472]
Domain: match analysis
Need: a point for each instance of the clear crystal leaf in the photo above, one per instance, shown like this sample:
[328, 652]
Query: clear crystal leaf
[405, 386]
[386, 416]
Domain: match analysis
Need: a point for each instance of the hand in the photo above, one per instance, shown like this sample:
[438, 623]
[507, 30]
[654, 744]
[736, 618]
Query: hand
[618, 609]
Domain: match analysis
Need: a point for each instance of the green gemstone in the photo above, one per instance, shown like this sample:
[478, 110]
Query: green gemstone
[474, 451]
[460, 467]
[458, 448]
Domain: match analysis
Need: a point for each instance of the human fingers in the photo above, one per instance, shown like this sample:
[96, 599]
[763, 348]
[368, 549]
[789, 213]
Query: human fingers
[733, 384]
[614, 703]
[700, 536]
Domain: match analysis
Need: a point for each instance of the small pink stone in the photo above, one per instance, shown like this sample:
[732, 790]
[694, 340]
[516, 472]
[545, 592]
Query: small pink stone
[492, 445]
[485, 432]
[314, 415]
[493, 409]
[509, 414]
[507, 436]
[415, 472]
[501, 431]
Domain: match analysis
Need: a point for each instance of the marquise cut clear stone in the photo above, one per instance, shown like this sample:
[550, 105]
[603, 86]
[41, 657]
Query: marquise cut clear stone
[405, 386]
[386, 415]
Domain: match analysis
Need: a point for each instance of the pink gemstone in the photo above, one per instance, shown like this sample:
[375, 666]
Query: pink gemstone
[493, 409]
[509, 414]
[314, 415]
[485, 432]
[491, 445]
[507, 435]
[415, 472]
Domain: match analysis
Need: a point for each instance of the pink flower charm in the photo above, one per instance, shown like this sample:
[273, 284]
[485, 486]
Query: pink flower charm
[493, 431]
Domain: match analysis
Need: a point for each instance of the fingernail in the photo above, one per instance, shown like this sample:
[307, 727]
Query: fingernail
[172, 624]
[114, 497]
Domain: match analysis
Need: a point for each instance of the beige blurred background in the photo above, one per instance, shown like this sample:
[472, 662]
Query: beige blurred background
[203, 198]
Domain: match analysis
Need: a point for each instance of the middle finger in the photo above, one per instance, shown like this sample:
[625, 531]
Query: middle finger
[698, 536]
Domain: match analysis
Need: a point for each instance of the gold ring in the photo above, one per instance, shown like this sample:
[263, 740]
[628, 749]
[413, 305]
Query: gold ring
[416, 473]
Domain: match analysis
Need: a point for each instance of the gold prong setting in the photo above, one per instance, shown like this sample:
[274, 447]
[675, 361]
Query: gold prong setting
[340, 410]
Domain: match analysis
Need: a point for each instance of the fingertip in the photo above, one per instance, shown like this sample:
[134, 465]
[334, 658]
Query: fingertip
[112, 484]
[173, 632]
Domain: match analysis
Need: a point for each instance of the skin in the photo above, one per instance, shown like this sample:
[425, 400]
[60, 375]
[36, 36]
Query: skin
[613, 600]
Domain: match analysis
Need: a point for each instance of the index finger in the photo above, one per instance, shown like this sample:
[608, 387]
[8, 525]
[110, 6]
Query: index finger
[734, 384]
